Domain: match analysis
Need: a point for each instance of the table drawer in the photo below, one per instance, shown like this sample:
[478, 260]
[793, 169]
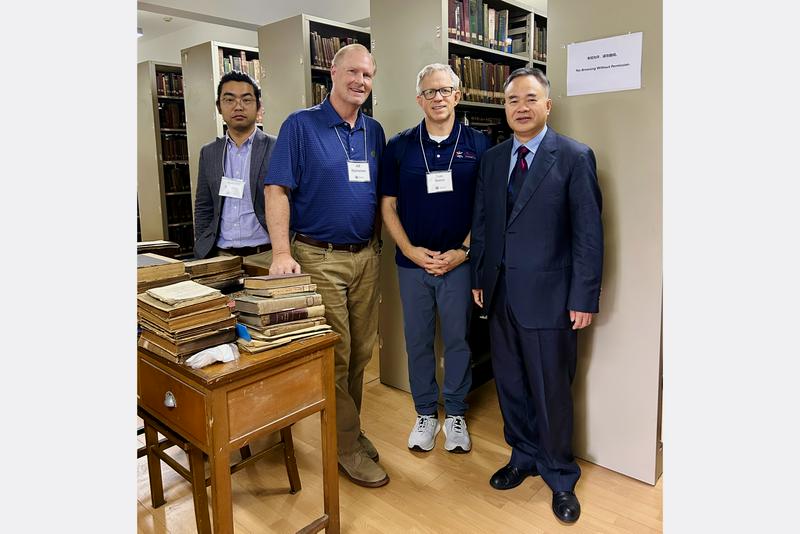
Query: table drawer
[290, 389]
[187, 416]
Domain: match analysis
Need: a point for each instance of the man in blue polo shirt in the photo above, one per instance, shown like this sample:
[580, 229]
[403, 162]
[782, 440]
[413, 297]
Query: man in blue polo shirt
[328, 158]
[428, 177]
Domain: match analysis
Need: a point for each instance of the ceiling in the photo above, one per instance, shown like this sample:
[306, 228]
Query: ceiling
[250, 14]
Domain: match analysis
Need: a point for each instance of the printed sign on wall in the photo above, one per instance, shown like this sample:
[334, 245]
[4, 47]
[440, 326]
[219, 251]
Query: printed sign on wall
[604, 65]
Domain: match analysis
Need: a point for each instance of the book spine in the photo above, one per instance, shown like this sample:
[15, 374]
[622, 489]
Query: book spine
[272, 305]
[285, 316]
[451, 19]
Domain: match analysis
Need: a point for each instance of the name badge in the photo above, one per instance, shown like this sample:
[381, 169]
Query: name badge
[358, 171]
[230, 187]
[440, 181]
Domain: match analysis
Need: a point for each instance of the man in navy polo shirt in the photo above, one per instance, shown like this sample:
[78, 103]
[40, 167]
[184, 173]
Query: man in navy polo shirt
[328, 157]
[428, 177]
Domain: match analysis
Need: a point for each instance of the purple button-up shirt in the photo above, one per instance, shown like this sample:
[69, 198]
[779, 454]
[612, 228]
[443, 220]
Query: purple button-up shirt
[239, 226]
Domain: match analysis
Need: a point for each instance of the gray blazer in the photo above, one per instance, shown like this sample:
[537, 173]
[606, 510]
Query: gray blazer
[208, 203]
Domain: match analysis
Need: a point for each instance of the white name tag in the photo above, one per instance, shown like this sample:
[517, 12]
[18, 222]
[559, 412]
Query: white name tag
[440, 181]
[358, 171]
[230, 187]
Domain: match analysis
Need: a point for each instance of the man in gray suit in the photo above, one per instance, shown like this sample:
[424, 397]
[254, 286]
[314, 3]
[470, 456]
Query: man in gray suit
[229, 202]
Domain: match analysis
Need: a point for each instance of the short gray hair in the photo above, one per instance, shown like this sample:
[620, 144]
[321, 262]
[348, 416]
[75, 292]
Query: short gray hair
[437, 67]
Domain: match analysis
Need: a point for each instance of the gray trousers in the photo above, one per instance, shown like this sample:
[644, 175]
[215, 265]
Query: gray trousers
[422, 296]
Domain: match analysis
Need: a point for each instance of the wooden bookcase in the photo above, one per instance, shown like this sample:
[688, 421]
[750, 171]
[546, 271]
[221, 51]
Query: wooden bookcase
[287, 47]
[403, 41]
[203, 66]
[164, 197]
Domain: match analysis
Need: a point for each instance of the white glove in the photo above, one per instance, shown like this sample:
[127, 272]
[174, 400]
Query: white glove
[221, 353]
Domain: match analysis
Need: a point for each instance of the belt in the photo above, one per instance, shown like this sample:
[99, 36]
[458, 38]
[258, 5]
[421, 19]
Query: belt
[247, 251]
[355, 247]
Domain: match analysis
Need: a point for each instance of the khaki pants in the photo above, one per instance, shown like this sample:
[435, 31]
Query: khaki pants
[348, 283]
[262, 259]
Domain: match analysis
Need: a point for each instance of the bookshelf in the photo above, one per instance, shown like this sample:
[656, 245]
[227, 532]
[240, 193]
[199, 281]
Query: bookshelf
[298, 51]
[203, 66]
[164, 206]
[402, 45]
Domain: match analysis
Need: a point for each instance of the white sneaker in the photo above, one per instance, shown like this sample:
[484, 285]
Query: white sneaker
[456, 434]
[423, 435]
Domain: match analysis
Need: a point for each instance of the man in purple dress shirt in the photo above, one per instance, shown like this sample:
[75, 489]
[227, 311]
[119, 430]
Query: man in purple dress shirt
[229, 202]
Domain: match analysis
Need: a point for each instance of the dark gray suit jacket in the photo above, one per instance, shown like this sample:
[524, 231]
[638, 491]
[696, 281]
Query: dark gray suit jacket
[552, 242]
[208, 203]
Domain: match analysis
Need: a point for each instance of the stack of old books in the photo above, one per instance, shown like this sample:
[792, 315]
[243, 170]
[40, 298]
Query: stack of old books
[181, 319]
[223, 272]
[278, 309]
[154, 270]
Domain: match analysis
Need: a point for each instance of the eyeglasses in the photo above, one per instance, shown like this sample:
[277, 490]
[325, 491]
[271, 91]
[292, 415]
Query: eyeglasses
[428, 94]
[229, 101]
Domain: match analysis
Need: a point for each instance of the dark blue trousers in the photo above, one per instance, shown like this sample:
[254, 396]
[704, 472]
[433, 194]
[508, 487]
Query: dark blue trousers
[422, 295]
[533, 371]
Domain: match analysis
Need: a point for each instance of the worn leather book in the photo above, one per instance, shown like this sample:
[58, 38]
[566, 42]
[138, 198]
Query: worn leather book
[185, 321]
[282, 291]
[165, 311]
[180, 352]
[214, 265]
[280, 328]
[283, 316]
[276, 280]
[152, 266]
[262, 305]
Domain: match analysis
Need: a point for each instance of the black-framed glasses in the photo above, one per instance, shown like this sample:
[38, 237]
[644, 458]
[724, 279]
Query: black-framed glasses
[428, 94]
[230, 101]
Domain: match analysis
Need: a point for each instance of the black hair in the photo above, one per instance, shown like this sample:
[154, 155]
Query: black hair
[238, 76]
[529, 71]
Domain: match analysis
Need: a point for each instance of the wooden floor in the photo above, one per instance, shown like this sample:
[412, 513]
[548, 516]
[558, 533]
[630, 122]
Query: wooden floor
[435, 492]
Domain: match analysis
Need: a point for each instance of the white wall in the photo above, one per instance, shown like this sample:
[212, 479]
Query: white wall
[167, 48]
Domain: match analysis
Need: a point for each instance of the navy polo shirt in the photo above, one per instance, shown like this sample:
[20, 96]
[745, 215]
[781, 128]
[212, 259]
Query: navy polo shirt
[436, 221]
[310, 159]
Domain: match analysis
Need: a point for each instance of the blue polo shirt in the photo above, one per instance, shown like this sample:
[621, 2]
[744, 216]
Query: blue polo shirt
[437, 221]
[310, 158]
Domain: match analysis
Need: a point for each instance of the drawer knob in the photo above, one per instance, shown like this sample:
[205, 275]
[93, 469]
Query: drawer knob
[169, 400]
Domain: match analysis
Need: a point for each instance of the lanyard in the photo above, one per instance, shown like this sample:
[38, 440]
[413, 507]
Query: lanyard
[346, 155]
[451, 157]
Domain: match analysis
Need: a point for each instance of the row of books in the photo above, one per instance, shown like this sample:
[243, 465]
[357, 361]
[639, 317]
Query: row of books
[183, 235]
[220, 272]
[480, 118]
[169, 84]
[540, 41]
[183, 318]
[179, 208]
[481, 81]
[319, 92]
[474, 22]
[174, 147]
[156, 270]
[324, 48]
[171, 114]
[238, 62]
[279, 309]
[182, 309]
[176, 178]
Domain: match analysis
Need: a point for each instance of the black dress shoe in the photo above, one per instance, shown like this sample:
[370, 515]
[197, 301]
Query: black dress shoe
[566, 506]
[509, 476]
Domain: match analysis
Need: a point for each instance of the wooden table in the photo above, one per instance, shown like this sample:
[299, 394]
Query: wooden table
[222, 407]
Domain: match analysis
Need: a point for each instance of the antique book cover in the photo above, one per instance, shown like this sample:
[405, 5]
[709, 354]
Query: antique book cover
[276, 280]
